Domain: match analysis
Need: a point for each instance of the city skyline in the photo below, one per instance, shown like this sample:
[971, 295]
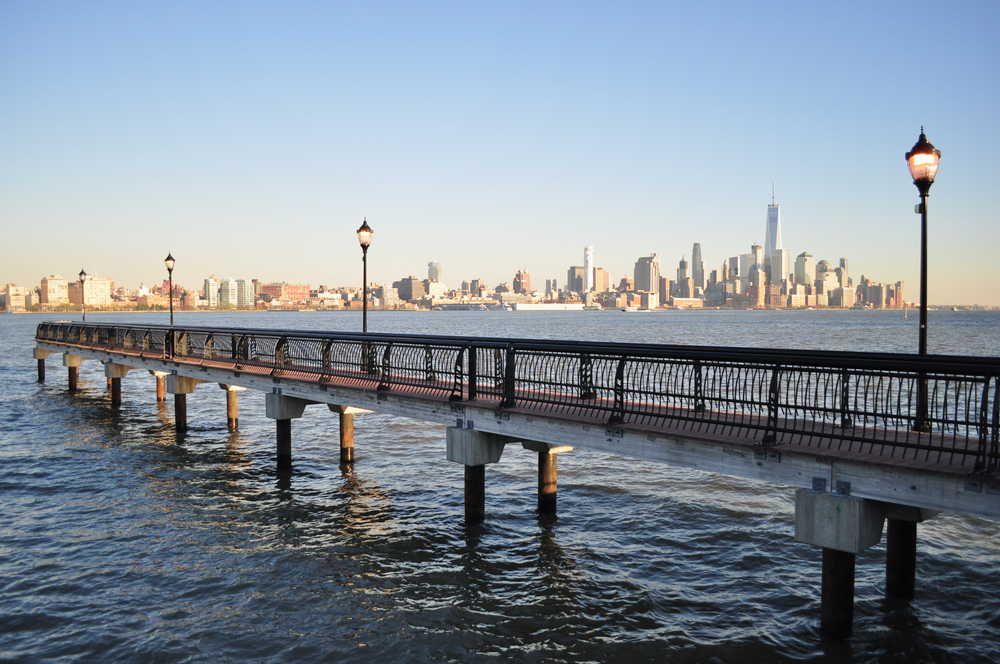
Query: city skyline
[251, 141]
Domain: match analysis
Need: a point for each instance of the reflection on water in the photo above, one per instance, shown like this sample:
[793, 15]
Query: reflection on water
[122, 541]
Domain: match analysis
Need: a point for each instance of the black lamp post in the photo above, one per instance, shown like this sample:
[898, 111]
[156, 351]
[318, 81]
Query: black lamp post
[923, 162]
[365, 238]
[83, 301]
[169, 261]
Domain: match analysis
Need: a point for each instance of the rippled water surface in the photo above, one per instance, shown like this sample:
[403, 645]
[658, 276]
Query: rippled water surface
[120, 541]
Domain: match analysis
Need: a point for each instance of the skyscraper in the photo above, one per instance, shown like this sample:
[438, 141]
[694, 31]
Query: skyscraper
[588, 268]
[697, 266]
[772, 235]
[647, 273]
[434, 271]
[682, 270]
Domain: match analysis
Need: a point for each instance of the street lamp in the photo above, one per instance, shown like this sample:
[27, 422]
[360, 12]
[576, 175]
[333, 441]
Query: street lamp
[83, 302]
[923, 162]
[365, 238]
[169, 262]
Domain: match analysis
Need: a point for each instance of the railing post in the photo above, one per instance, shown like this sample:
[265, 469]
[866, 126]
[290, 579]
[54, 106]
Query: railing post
[699, 395]
[618, 414]
[921, 423]
[845, 401]
[510, 376]
[429, 375]
[586, 375]
[773, 394]
[473, 387]
[385, 379]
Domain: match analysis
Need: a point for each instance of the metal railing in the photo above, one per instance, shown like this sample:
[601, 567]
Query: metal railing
[865, 402]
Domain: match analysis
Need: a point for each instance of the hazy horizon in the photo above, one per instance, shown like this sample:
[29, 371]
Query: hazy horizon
[250, 140]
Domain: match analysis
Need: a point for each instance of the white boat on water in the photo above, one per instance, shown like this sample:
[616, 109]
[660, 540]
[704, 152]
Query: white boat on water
[630, 310]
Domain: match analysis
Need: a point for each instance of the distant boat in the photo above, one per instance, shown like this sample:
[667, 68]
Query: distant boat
[630, 310]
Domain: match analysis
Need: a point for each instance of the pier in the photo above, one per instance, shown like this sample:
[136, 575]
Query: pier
[874, 443]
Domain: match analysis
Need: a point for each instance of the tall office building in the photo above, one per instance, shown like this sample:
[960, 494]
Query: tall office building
[602, 280]
[245, 296]
[697, 266]
[228, 293]
[434, 271]
[55, 290]
[805, 269]
[575, 279]
[212, 292]
[682, 270]
[647, 273]
[588, 268]
[522, 283]
[772, 235]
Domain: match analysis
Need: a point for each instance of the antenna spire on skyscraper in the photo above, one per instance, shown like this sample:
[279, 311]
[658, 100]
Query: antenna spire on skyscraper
[772, 191]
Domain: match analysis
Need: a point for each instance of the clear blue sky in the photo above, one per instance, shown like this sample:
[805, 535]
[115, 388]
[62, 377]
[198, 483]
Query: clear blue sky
[250, 139]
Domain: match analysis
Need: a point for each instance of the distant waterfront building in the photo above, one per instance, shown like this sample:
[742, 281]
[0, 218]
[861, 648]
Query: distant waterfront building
[227, 293]
[412, 288]
[211, 292]
[96, 292]
[588, 268]
[55, 290]
[286, 292]
[697, 266]
[574, 278]
[522, 282]
[475, 288]
[647, 273]
[682, 272]
[389, 297]
[14, 297]
[779, 266]
[602, 280]
[842, 275]
[805, 269]
[245, 295]
[434, 271]
[434, 288]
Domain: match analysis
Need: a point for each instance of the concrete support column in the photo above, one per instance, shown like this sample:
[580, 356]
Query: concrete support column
[837, 596]
[347, 414]
[115, 373]
[72, 362]
[180, 387]
[474, 449]
[548, 473]
[40, 355]
[110, 383]
[283, 410]
[843, 525]
[284, 431]
[232, 405]
[346, 438]
[475, 494]
[180, 412]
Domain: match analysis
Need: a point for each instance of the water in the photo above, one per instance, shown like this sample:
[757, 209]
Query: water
[120, 542]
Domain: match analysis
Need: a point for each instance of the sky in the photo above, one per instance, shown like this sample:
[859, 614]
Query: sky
[250, 139]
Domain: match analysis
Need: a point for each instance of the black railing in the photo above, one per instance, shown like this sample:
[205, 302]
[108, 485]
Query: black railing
[864, 402]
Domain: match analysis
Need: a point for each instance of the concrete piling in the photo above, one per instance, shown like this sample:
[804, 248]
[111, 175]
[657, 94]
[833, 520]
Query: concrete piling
[548, 474]
[115, 373]
[180, 387]
[232, 405]
[116, 391]
[474, 449]
[475, 494]
[284, 435]
[346, 438]
[74, 374]
[180, 412]
[837, 594]
[900, 558]
[72, 362]
[161, 387]
[40, 355]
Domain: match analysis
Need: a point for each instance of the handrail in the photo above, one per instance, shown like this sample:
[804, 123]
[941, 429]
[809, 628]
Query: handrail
[773, 395]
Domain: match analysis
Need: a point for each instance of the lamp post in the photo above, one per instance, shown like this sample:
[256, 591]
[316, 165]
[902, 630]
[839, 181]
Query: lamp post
[923, 162]
[83, 301]
[365, 238]
[169, 262]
